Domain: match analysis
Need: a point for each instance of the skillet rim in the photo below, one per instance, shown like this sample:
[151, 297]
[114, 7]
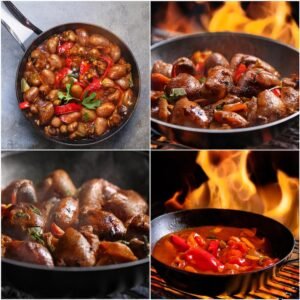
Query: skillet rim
[186, 273]
[83, 142]
[226, 131]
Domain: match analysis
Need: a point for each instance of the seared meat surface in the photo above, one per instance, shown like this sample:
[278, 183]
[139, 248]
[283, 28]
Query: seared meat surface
[197, 92]
[58, 224]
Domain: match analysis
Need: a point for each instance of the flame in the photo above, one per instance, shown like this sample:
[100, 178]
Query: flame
[229, 186]
[232, 17]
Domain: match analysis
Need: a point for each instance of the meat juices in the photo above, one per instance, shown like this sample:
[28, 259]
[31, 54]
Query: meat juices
[57, 224]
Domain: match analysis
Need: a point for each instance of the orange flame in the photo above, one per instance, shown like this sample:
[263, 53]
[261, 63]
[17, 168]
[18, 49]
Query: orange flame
[232, 17]
[229, 186]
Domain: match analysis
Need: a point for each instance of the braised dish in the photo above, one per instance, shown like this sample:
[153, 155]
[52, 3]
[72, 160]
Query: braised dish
[56, 224]
[208, 91]
[219, 250]
[77, 85]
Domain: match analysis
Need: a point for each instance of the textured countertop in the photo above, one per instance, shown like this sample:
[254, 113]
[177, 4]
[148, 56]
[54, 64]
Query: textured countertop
[128, 20]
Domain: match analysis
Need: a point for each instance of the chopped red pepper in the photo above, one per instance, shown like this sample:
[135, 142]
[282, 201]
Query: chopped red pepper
[92, 87]
[213, 247]
[277, 92]
[60, 75]
[24, 105]
[179, 242]
[200, 67]
[67, 108]
[65, 47]
[203, 260]
[84, 67]
[200, 240]
[56, 230]
[68, 62]
[240, 70]
[109, 63]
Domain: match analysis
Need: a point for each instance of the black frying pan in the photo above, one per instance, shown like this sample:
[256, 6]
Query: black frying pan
[42, 36]
[281, 239]
[126, 169]
[284, 58]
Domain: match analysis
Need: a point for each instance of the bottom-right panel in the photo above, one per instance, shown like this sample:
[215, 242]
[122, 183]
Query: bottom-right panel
[225, 224]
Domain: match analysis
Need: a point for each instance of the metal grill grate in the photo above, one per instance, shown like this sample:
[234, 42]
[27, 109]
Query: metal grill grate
[283, 285]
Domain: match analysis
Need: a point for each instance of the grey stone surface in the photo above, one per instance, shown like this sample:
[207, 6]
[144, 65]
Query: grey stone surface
[128, 20]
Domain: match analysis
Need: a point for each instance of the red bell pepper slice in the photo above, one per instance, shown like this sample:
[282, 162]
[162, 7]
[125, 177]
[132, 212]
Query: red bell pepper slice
[84, 67]
[200, 240]
[203, 260]
[60, 75]
[277, 92]
[213, 247]
[240, 70]
[92, 87]
[109, 63]
[67, 108]
[179, 242]
[68, 62]
[24, 105]
[65, 47]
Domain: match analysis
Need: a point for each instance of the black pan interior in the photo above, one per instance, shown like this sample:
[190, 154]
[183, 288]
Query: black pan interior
[281, 239]
[126, 53]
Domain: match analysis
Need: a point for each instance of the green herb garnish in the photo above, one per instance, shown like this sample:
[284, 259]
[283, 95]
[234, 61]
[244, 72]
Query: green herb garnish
[176, 93]
[85, 117]
[219, 106]
[36, 233]
[35, 210]
[202, 79]
[65, 96]
[21, 214]
[90, 102]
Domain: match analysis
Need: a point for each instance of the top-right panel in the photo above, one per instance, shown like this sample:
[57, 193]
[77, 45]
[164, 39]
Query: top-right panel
[225, 75]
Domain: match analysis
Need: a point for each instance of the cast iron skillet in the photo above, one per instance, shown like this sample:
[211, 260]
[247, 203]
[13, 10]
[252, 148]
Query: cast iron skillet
[125, 51]
[281, 239]
[126, 169]
[284, 58]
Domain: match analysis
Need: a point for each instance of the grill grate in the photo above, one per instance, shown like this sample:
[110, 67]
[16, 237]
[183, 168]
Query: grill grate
[284, 284]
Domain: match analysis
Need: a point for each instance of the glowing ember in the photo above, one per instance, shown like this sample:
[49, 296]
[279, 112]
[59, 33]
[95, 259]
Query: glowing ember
[229, 186]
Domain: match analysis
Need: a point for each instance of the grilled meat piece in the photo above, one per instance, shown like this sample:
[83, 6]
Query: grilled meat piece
[188, 113]
[140, 248]
[215, 59]
[58, 183]
[87, 232]
[114, 253]
[29, 252]
[5, 239]
[290, 97]
[183, 65]
[138, 227]
[105, 224]
[73, 249]
[231, 118]
[19, 191]
[162, 68]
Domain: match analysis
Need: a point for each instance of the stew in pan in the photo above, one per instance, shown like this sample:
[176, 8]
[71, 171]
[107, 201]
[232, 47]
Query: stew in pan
[208, 91]
[77, 85]
[220, 250]
[55, 223]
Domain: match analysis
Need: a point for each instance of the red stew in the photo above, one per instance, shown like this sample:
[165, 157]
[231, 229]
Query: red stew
[222, 250]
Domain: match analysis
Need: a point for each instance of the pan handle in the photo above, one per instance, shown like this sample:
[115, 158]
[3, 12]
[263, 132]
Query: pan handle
[16, 23]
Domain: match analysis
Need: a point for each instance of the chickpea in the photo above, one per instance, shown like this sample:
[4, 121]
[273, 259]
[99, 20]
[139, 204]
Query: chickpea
[105, 110]
[34, 109]
[128, 98]
[98, 40]
[36, 53]
[118, 71]
[108, 83]
[88, 115]
[48, 77]
[71, 117]
[52, 95]
[52, 44]
[31, 94]
[115, 52]
[55, 62]
[124, 82]
[57, 102]
[63, 129]
[44, 89]
[50, 130]
[72, 127]
[82, 35]
[69, 36]
[114, 120]
[34, 79]
[94, 53]
[115, 96]
[100, 126]
[82, 51]
[76, 90]
[66, 80]
[56, 122]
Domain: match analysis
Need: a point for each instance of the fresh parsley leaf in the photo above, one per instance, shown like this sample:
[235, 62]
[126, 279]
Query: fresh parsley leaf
[36, 233]
[86, 117]
[21, 214]
[35, 210]
[176, 93]
[65, 96]
[90, 102]
[202, 79]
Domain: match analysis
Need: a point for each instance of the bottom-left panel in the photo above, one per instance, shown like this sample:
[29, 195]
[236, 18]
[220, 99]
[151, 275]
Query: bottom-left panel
[75, 224]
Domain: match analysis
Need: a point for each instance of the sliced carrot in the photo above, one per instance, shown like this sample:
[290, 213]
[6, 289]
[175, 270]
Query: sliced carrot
[159, 81]
[235, 106]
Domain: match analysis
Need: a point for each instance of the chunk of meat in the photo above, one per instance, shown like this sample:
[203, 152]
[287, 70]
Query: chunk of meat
[231, 118]
[58, 183]
[87, 232]
[292, 81]
[114, 253]
[162, 68]
[126, 204]
[29, 252]
[20, 219]
[252, 62]
[188, 113]
[45, 111]
[163, 110]
[138, 227]
[19, 191]
[183, 65]
[215, 59]
[73, 249]
[218, 83]
[254, 81]
[140, 248]
[105, 224]
[187, 82]
[269, 106]
[5, 239]
[290, 97]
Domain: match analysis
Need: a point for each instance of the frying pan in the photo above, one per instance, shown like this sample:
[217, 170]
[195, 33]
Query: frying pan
[284, 58]
[281, 240]
[126, 169]
[42, 36]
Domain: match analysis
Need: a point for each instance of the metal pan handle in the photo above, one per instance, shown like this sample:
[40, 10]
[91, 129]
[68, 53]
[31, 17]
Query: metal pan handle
[16, 23]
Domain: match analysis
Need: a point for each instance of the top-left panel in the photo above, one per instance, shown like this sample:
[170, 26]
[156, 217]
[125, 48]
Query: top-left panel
[76, 75]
